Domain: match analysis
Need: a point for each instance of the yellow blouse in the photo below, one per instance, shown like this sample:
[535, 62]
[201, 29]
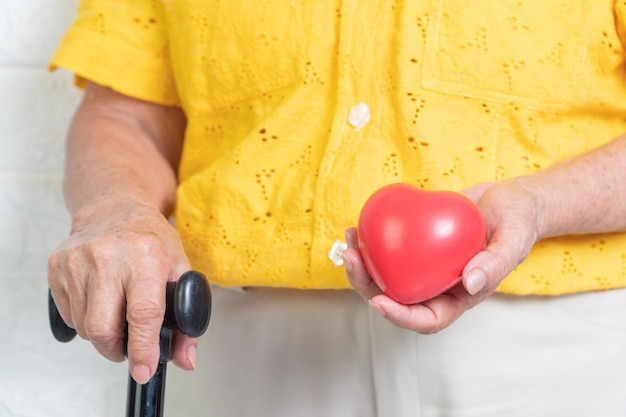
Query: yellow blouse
[458, 92]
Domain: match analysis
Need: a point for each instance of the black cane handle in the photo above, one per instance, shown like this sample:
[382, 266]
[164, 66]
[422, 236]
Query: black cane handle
[188, 308]
[188, 304]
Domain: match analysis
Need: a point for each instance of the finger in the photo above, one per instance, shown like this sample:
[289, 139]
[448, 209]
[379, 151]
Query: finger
[184, 352]
[62, 303]
[77, 297]
[485, 271]
[358, 276]
[61, 300]
[428, 317]
[57, 290]
[105, 320]
[144, 313]
[352, 238]
[69, 296]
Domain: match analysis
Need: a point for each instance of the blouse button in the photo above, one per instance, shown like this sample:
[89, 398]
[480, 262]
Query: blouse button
[336, 252]
[359, 115]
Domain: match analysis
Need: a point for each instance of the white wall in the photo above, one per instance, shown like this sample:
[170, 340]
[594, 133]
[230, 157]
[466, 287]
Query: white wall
[39, 376]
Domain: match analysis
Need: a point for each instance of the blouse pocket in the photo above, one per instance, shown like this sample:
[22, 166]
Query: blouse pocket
[226, 53]
[506, 49]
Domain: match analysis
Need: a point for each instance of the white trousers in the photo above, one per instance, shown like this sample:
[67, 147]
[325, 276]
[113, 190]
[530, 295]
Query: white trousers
[274, 352]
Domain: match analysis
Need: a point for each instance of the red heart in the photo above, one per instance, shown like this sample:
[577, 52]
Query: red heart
[415, 243]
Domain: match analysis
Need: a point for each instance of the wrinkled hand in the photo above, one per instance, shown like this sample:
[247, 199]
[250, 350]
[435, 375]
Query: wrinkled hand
[512, 216]
[113, 269]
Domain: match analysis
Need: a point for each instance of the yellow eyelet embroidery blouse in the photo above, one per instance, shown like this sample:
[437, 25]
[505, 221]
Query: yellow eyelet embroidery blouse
[458, 92]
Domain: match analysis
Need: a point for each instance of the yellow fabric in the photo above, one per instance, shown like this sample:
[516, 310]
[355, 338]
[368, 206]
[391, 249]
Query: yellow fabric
[459, 92]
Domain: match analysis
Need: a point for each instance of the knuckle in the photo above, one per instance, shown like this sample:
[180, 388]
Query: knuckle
[58, 270]
[105, 339]
[98, 331]
[103, 253]
[148, 242]
[80, 330]
[433, 329]
[436, 328]
[150, 248]
[56, 286]
[145, 312]
[72, 261]
[53, 262]
[145, 249]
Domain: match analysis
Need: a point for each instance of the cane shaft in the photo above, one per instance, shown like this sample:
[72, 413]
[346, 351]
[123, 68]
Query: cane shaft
[146, 400]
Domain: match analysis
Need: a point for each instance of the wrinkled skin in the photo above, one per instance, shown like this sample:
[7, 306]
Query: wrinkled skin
[120, 182]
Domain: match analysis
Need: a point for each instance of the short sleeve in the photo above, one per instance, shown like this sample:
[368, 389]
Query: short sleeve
[123, 45]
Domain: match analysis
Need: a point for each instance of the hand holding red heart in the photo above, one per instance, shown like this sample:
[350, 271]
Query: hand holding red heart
[415, 243]
[510, 221]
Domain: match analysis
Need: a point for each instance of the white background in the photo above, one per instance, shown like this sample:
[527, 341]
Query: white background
[39, 376]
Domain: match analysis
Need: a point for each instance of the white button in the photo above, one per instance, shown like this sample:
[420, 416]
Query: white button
[336, 252]
[359, 115]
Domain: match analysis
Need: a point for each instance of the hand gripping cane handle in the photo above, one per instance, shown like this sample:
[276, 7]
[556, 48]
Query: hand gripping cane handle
[188, 310]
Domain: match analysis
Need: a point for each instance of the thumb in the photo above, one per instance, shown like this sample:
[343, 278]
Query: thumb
[482, 273]
[486, 270]
[184, 352]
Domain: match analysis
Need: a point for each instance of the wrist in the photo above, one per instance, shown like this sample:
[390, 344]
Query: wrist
[114, 206]
[545, 204]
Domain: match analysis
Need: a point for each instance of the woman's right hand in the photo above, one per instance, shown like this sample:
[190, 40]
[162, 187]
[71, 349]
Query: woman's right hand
[120, 184]
[113, 269]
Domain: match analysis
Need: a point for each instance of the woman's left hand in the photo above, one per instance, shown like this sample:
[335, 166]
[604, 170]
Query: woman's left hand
[511, 212]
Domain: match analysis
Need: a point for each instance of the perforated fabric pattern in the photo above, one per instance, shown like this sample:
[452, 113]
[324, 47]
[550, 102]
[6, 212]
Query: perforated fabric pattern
[458, 92]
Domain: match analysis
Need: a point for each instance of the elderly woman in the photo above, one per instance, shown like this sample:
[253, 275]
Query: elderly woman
[237, 119]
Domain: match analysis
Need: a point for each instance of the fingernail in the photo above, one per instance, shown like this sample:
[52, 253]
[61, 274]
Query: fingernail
[475, 281]
[141, 373]
[191, 356]
[378, 308]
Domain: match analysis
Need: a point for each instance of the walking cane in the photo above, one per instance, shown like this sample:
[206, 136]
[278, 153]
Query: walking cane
[188, 309]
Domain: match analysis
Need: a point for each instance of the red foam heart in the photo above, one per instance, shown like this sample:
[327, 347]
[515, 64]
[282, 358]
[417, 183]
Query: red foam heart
[415, 243]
